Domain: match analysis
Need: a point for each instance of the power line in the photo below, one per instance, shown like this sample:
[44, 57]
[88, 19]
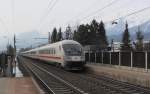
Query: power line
[82, 12]
[47, 13]
[99, 10]
[136, 12]
[4, 25]
[13, 14]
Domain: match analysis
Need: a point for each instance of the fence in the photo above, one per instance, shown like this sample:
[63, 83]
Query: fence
[130, 59]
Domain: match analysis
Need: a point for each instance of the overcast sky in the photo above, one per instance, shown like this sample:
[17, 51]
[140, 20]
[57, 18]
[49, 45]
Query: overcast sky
[42, 15]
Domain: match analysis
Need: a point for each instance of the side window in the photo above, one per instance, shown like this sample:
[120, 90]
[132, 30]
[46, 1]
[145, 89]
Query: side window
[54, 51]
[60, 48]
[49, 51]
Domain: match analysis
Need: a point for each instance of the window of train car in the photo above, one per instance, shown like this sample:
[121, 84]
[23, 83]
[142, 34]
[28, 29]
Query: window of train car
[48, 51]
[54, 51]
[72, 49]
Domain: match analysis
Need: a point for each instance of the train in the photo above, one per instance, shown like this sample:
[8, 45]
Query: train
[67, 54]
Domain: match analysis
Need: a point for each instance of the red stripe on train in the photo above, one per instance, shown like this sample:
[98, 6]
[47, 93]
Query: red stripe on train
[53, 57]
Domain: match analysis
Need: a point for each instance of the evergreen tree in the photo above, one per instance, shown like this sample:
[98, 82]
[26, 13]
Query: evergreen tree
[93, 32]
[101, 36]
[75, 35]
[54, 36]
[59, 35]
[10, 50]
[139, 43]
[49, 37]
[68, 33]
[126, 45]
[82, 35]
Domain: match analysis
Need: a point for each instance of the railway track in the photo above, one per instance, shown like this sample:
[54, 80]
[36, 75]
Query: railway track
[109, 84]
[52, 83]
[93, 84]
[132, 89]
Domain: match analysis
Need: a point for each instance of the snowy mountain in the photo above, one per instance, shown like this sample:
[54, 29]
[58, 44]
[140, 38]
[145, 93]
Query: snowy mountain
[117, 31]
[30, 39]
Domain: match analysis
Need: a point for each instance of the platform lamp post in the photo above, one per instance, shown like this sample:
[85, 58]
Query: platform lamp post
[14, 46]
[89, 48]
[146, 52]
[14, 58]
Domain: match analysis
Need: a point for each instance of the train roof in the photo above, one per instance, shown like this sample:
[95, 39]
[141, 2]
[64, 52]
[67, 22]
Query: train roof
[57, 43]
[68, 42]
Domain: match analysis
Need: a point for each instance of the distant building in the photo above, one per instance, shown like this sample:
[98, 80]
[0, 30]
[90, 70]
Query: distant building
[116, 46]
[147, 45]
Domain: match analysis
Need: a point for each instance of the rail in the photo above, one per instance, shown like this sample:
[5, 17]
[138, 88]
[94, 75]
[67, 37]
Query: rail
[58, 85]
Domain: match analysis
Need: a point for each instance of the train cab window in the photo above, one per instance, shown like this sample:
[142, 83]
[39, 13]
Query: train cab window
[72, 49]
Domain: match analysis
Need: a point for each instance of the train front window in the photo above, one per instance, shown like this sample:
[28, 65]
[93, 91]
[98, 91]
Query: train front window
[72, 49]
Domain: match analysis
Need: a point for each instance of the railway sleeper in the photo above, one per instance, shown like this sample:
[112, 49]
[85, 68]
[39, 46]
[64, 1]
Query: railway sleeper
[64, 91]
[58, 86]
[61, 88]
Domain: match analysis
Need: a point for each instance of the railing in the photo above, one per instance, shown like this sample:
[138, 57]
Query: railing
[130, 59]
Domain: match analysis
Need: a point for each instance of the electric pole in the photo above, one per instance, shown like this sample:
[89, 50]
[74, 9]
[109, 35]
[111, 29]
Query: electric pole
[14, 45]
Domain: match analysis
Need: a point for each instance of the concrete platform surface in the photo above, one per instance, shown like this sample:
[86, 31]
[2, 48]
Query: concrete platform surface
[122, 74]
[22, 85]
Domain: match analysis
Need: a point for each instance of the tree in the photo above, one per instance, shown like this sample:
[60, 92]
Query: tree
[75, 35]
[93, 30]
[54, 36]
[59, 35]
[68, 33]
[92, 34]
[101, 36]
[139, 43]
[10, 50]
[126, 45]
[82, 35]
[49, 37]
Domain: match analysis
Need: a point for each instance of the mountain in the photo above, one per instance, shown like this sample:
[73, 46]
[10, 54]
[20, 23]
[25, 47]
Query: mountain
[30, 39]
[117, 31]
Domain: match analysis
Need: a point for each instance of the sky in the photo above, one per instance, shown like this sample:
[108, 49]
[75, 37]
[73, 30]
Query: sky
[18, 16]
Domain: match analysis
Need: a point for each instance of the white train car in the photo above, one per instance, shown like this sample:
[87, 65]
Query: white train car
[67, 54]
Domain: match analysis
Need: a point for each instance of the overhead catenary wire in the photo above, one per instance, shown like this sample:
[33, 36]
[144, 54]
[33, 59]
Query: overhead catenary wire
[133, 13]
[99, 10]
[52, 5]
[4, 25]
[79, 14]
[47, 10]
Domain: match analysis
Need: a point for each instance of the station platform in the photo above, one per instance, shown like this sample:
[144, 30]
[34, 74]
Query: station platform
[122, 73]
[20, 85]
